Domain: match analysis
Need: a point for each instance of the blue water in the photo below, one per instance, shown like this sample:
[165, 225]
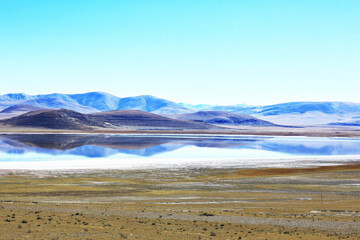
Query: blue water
[108, 148]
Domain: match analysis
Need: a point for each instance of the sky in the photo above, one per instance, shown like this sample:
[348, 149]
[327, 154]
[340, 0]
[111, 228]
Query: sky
[195, 51]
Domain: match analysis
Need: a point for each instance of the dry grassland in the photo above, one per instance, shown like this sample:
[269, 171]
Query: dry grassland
[315, 203]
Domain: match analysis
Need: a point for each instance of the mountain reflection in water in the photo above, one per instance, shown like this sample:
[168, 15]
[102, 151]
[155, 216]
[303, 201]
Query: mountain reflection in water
[147, 146]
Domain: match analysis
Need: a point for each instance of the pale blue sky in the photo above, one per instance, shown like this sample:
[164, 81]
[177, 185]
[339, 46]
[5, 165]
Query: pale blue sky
[217, 52]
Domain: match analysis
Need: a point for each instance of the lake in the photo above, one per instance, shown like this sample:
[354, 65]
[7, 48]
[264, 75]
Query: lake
[101, 151]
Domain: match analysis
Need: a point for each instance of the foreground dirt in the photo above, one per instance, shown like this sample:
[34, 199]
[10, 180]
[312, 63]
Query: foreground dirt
[313, 203]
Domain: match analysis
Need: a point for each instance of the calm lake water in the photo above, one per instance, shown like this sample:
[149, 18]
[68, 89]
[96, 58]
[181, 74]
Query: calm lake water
[79, 151]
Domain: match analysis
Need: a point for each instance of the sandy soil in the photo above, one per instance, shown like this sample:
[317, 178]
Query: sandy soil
[313, 203]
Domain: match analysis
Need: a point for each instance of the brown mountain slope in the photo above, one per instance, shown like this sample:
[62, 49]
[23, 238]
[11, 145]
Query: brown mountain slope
[54, 119]
[136, 118]
[67, 119]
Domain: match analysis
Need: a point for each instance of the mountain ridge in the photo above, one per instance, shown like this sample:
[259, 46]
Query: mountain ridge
[93, 102]
[291, 113]
[21, 108]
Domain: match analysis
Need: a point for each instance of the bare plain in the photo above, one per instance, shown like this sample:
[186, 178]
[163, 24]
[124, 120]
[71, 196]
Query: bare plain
[311, 203]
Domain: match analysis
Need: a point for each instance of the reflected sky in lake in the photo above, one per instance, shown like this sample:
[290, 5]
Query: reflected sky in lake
[79, 151]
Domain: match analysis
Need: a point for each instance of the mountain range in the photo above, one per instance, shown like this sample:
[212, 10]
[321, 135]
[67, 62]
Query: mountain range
[93, 102]
[292, 113]
[297, 113]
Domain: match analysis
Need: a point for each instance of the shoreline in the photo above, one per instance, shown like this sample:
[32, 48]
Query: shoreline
[260, 171]
[177, 164]
[249, 131]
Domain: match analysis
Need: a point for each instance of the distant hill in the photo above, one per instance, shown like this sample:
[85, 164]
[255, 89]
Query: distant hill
[196, 107]
[53, 103]
[17, 110]
[224, 108]
[224, 118]
[14, 97]
[238, 108]
[304, 107]
[152, 104]
[350, 123]
[129, 119]
[54, 119]
[309, 113]
[96, 100]
[20, 108]
[297, 113]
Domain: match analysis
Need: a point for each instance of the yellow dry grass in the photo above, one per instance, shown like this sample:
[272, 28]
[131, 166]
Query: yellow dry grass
[186, 204]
